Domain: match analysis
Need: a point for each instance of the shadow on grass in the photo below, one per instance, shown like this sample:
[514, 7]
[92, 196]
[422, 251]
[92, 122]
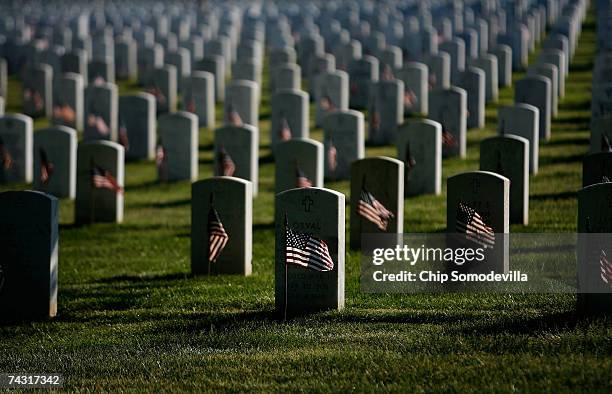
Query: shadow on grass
[553, 196]
[556, 322]
[206, 147]
[144, 278]
[144, 185]
[266, 159]
[562, 159]
[263, 226]
[165, 204]
[569, 141]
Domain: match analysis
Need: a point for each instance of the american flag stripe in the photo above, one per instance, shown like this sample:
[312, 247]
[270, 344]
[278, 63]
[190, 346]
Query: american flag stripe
[103, 179]
[46, 168]
[226, 165]
[371, 209]
[606, 268]
[470, 222]
[306, 251]
[217, 236]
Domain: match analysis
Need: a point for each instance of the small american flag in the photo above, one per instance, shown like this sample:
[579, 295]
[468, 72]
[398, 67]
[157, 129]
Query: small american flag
[157, 92]
[410, 98]
[375, 120]
[217, 236]
[301, 180]
[97, 122]
[225, 164]
[432, 81]
[605, 269]
[605, 143]
[409, 159]
[306, 251]
[123, 137]
[284, 132]
[354, 88]
[46, 167]
[387, 73]
[448, 140]
[161, 162]
[5, 156]
[191, 107]
[233, 117]
[64, 112]
[103, 179]
[470, 222]
[327, 104]
[31, 95]
[332, 156]
[371, 209]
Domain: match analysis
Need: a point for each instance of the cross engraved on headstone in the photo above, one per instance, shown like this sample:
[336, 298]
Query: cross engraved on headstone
[307, 203]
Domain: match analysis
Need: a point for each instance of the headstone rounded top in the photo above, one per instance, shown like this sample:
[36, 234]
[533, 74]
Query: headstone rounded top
[71, 75]
[419, 65]
[104, 85]
[476, 70]
[423, 121]
[140, 95]
[379, 158]
[57, 129]
[491, 175]
[534, 78]
[181, 115]
[202, 74]
[525, 106]
[299, 140]
[232, 179]
[503, 47]
[506, 137]
[244, 126]
[452, 89]
[310, 190]
[344, 113]
[291, 92]
[19, 117]
[30, 195]
[110, 144]
[243, 83]
[596, 187]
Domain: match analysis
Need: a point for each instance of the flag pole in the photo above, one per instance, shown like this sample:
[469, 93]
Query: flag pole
[285, 263]
[212, 198]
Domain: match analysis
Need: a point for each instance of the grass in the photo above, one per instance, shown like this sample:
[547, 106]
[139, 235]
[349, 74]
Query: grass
[132, 318]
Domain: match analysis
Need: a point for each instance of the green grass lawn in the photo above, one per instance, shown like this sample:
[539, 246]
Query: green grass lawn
[131, 317]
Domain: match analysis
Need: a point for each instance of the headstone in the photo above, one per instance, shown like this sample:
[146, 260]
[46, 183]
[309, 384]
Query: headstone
[594, 216]
[536, 91]
[597, 168]
[280, 56]
[3, 78]
[456, 51]
[55, 151]
[482, 199]
[439, 70]
[503, 53]
[37, 91]
[216, 66]
[100, 72]
[472, 81]
[362, 73]
[551, 72]
[181, 60]
[508, 156]
[449, 108]
[242, 103]
[601, 100]
[316, 216]
[126, 60]
[299, 163]
[419, 146]
[101, 112]
[29, 239]
[149, 58]
[332, 94]
[287, 76]
[16, 148]
[162, 86]
[247, 70]
[522, 120]
[377, 197]
[226, 201]
[68, 101]
[75, 62]
[137, 124]
[386, 111]
[289, 116]
[488, 64]
[601, 134]
[100, 177]
[177, 151]
[343, 138]
[416, 87]
[237, 153]
[199, 97]
[556, 58]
